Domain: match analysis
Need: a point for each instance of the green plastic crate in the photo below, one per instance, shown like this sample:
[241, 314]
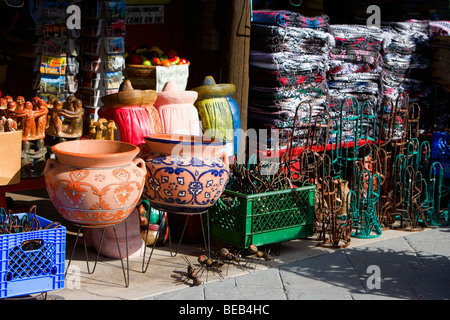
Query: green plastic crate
[263, 218]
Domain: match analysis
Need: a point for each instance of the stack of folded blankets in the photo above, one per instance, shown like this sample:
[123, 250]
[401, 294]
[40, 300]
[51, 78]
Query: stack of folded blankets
[407, 62]
[355, 63]
[440, 115]
[288, 63]
[355, 77]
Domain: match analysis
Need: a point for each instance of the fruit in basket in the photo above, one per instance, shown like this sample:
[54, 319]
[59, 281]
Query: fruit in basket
[165, 63]
[154, 56]
[134, 59]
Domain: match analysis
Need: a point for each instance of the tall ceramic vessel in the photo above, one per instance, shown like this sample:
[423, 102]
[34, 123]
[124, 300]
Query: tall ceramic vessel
[219, 113]
[185, 173]
[177, 111]
[133, 112]
[95, 183]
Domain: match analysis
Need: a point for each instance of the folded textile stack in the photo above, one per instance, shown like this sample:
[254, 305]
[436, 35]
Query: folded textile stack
[354, 77]
[407, 62]
[440, 34]
[288, 65]
[440, 28]
[355, 63]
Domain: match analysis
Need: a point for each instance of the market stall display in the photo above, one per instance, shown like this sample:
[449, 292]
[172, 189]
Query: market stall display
[288, 65]
[343, 108]
[102, 53]
[407, 64]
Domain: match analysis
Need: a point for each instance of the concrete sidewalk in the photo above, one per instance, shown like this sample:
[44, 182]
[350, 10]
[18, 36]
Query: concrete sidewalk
[409, 266]
[397, 265]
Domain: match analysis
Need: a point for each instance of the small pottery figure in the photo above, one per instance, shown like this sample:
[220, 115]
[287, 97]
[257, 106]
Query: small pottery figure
[110, 128]
[28, 122]
[33, 158]
[20, 103]
[31, 119]
[2, 124]
[3, 107]
[10, 125]
[66, 120]
[55, 122]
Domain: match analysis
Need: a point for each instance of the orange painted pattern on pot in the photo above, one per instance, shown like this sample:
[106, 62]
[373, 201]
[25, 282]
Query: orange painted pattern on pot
[95, 196]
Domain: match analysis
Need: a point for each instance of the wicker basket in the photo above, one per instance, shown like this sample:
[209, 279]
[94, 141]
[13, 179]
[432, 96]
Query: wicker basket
[139, 71]
[143, 77]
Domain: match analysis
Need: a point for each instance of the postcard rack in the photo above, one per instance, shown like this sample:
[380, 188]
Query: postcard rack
[102, 51]
[57, 50]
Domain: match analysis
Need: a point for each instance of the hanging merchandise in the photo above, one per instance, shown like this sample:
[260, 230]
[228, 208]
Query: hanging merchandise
[103, 52]
[57, 51]
[288, 65]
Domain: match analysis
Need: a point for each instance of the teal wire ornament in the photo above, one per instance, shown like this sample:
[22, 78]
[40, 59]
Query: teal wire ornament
[362, 202]
[435, 192]
[296, 4]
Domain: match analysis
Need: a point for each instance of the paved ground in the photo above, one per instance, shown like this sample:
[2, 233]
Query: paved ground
[398, 265]
[409, 266]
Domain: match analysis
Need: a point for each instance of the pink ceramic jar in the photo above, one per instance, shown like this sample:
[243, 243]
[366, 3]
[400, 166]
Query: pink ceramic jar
[95, 183]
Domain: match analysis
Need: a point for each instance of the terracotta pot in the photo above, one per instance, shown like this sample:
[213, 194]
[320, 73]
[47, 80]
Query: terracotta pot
[185, 173]
[95, 182]
[131, 236]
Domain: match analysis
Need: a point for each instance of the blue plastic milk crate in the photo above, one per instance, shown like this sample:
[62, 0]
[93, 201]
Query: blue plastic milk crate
[441, 151]
[32, 262]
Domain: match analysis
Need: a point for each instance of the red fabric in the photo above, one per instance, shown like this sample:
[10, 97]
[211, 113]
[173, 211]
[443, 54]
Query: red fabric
[133, 122]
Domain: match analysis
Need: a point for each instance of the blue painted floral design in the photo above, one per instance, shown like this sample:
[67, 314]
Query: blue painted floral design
[153, 183]
[195, 187]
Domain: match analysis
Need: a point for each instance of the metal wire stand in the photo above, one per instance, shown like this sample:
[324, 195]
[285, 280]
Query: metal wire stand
[126, 273]
[206, 239]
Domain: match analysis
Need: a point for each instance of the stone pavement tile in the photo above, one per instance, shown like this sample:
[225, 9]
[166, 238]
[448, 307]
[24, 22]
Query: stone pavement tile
[300, 295]
[431, 290]
[244, 293]
[374, 296]
[190, 293]
[257, 285]
[263, 278]
[434, 269]
[323, 272]
[423, 247]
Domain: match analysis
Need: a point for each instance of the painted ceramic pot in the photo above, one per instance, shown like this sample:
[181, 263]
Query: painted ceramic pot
[185, 173]
[219, 112]
[133, 112]
[95, 182]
